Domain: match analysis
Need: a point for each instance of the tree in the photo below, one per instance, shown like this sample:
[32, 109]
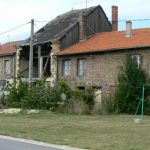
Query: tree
[131, 78]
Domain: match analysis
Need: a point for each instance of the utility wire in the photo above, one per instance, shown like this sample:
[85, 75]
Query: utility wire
[132, 20]
[66, 22]
[37, 28]
[14, 28]
[110, 21]
[41, 21]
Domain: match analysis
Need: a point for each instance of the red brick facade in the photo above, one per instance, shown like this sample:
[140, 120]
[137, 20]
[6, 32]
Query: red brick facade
[101, 68]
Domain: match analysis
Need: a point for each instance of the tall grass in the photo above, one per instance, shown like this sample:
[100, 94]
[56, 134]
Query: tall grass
[108, 106]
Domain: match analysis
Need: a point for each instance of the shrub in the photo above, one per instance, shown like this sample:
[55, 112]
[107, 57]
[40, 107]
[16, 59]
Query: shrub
[86, 95]
[39, 96]
[147, 106]
[89, 96]
[15, 92]
[63, 87]
[35, 97]
[80, 101]
[42, 97]
[130, 81]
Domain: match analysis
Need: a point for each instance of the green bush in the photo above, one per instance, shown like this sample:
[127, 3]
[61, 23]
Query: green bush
[34, 98]
[130, 81]
[38, 96]
[147, 106]
[15, 92]
[87, 95]
[63, 87]
[42, 97]
[79, 102]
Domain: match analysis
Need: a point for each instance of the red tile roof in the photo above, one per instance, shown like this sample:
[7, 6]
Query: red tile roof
[108, 41]
[8, 48]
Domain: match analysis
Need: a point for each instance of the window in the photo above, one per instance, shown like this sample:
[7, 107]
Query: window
[7, 67]
[81, 88]
[67, 67]
[81, 68]
[136, 59]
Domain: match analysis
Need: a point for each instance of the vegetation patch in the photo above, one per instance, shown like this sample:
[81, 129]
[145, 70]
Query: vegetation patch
[99, 132]
[38, 96]
[131, 80]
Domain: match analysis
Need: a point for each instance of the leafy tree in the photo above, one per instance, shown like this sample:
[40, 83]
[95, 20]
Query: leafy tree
[131, 78]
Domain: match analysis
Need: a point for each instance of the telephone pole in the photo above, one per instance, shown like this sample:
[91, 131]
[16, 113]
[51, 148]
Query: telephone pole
[31, 53]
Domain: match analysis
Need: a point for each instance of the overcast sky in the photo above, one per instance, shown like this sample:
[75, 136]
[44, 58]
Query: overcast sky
[17, 12]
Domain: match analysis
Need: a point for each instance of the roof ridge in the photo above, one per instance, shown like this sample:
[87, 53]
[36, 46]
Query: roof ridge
[63, 21]
[12, 42]
[119, 31]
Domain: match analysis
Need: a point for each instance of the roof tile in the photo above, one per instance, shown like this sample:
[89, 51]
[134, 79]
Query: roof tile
[8, 48]
[108, 41]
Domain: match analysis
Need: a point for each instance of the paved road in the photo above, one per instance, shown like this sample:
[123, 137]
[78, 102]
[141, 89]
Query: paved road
[6, 144]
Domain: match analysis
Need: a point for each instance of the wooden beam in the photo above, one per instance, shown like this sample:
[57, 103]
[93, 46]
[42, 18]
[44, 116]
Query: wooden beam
[39, 61]
[41, 66]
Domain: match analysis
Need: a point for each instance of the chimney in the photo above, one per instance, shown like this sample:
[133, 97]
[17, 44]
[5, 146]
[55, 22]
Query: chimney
[115, 18]
[82, 26]
[128, 28]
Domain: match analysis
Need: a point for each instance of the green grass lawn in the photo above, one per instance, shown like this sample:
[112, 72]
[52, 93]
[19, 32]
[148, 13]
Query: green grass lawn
[108, 132]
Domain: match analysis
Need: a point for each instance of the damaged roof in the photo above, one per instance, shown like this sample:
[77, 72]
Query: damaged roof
[110, 41]
[58, 27]
[8, 48]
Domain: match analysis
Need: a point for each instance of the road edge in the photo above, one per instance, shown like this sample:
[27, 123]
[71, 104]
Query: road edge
[62, 147]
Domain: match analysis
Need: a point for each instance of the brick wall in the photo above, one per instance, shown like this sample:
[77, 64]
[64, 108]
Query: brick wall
[101, 69]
